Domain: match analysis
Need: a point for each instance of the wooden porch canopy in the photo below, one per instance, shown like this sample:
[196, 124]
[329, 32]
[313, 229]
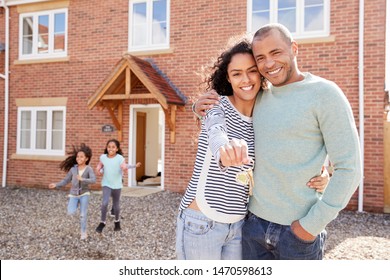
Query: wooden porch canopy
[135, 78]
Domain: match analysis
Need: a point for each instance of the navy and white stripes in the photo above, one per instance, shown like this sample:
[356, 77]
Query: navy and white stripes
[222, 199]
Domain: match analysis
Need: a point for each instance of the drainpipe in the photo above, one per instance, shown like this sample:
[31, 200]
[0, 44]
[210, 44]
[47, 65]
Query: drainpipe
[361, 99]
[6, 94]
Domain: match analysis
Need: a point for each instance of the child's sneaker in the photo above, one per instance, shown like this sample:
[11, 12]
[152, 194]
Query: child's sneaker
[100, 227]
[117, 226]
[84, 236]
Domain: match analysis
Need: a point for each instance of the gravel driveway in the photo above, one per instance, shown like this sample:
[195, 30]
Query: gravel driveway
[34, 225]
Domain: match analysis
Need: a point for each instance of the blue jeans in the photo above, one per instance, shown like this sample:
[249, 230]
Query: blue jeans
[74, 201]
[199, 238]
[263, 240]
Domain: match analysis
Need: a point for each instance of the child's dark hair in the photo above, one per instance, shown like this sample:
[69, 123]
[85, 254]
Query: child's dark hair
[70, 161]
[117, 144]
[217, 73]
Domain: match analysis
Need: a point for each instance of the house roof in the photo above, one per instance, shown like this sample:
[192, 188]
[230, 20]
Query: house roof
[132, 78]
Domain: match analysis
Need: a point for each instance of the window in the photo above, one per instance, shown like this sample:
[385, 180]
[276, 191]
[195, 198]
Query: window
[148, 24]
[43, 34]
[304, 18]
[41, 130]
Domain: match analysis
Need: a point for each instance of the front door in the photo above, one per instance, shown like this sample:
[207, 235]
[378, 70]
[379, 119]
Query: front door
[146, 145]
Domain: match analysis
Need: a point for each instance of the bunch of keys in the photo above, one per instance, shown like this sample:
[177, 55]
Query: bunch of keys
[245, 177]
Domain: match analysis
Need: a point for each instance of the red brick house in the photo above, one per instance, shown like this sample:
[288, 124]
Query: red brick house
[75, 71]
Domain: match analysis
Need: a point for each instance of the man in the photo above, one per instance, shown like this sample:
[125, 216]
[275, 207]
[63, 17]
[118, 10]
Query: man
[298, 121]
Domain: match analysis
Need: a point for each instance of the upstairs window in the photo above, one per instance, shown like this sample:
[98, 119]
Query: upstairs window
[148, 24]
[304, 18]
[41, 130]
[43, 34]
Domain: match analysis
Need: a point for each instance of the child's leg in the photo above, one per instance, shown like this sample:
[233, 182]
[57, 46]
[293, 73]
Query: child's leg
[116, 194]
[84, 200]
[72, 205]
[106, 198]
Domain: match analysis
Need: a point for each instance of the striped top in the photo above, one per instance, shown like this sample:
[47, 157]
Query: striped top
[217, 193]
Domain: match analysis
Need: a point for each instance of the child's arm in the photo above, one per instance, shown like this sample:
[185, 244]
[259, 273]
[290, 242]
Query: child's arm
[130, 166]
[99, 168]
[64, 182]
[123, 166]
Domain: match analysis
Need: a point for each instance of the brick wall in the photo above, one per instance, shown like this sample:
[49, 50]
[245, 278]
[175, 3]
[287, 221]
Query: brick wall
[199, 28]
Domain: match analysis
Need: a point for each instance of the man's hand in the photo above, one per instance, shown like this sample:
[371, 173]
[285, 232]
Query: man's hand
[234, 153]
[300, 232]
[205, 102]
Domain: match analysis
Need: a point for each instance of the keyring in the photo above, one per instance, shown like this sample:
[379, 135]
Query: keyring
[245, 177]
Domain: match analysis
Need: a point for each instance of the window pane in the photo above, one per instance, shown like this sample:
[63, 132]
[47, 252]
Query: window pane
[57, 130]
[57, 120]
[28, 24]
[139, 26]
[314, 19]
[139, 13]
[288, 20]
[258, 5]
[259, 19]
[26, 120]
[25, 139]
[283, 4]
[260, 14]
[25, 130]
[287, 14]
[159, 33]
[59, 23]
[59, 42]
[41, 120]
[159, 10]
[41, 130]
[314, 2]
[59, 32]
[159, 25]
[43, 34]
[56, 140]
[40, 140]
[139, 36]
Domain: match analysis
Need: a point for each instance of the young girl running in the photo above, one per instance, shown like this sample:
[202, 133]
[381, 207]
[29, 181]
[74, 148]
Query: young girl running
[81, 175]
[112, 164]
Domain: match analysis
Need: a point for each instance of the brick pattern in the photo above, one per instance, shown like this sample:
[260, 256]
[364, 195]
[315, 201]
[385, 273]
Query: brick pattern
[199, 28]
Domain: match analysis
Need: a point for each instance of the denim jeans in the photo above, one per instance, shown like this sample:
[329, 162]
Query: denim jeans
[74, 201]
[263, 240]
[199, 238]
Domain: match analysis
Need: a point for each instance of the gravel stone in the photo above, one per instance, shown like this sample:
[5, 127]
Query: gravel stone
[34, 226]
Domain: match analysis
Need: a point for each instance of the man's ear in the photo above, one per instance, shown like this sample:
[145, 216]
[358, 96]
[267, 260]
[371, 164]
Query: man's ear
[294, 48]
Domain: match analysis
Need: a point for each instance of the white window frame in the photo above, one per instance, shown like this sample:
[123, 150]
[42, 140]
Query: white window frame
[51, 53]
[32, 150]
[300, 33]
[149, 10]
